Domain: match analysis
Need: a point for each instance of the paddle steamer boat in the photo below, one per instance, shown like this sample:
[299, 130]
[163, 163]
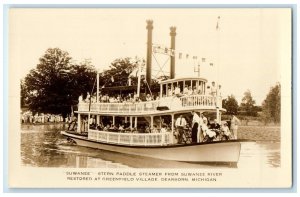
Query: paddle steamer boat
[147, 127]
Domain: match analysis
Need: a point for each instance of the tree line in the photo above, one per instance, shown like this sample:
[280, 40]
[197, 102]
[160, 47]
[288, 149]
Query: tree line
[269, 111]
[56, 83]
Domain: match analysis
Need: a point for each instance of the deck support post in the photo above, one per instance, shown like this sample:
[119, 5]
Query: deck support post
[167, 93]
[79, 123]
[161, 90]
[98, 120]
[130, 122]
[135, 122]
[113, 120]
[97, 94]
[88, 123]
[151, 122]
[172, 128]
[218, 114]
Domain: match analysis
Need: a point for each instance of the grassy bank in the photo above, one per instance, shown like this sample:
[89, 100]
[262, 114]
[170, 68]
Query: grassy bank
[259, 133]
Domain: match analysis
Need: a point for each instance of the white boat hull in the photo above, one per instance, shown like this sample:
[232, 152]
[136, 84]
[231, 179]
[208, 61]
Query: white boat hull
[223, 151]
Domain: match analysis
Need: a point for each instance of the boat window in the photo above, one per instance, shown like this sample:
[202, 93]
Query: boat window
[173, 85]
[203, 87]
[180, 85]
[169, 91]
[164, 90]
[188, 83]
[199, 87]
[194, 85]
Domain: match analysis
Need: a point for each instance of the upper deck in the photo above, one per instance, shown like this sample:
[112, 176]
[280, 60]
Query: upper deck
[188, 102]
[175, 95]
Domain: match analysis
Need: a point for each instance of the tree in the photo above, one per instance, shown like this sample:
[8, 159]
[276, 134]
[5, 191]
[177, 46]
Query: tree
[230, 104]
[247, 104]
[271, 106]
[55, 84]
[83, 80]
[119, 72]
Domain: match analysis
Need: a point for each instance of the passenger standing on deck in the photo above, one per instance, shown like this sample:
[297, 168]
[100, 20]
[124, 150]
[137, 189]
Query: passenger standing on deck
[180, 124]
[213, 92]
[170, 92]
[148, 97]
[88, 96]
[185, 90]
[190, 91]
[80, 98]
[202, 123]
[195, 127]
[234, 122]
[213, 89]
[177, 91]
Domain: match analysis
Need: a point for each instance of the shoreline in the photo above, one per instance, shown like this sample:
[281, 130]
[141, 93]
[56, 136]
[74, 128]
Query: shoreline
[46, 123]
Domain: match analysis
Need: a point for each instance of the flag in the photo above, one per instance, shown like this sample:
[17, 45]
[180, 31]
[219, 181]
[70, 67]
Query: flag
[112, 79]
[217, 27]
[195, 57]
[180, 55]
[187, 56]
[211, 64]
[203, 59]
[172, 52]
[154, 49]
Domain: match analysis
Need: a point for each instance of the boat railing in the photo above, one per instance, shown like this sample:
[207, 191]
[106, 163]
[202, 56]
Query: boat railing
[201, 100]
[206, 101]
[131, 139]
[129, 107]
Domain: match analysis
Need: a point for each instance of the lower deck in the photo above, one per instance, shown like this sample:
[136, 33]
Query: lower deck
[228, 151]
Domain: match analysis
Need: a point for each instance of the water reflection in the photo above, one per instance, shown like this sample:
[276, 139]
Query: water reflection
[259, 154]
[43, 146]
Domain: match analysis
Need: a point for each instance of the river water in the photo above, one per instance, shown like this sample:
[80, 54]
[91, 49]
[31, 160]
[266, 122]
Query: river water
[43, 146]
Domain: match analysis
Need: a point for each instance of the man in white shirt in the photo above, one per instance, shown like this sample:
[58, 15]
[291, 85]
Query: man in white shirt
[213, 92]
[180, 124]
[234, 122]
[203, 125]
[177, 91]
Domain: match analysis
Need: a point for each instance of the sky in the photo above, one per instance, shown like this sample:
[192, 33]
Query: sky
[249, 50]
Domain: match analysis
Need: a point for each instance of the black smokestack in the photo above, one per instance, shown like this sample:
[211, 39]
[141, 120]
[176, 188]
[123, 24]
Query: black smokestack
[149, 51]
[172, 62]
